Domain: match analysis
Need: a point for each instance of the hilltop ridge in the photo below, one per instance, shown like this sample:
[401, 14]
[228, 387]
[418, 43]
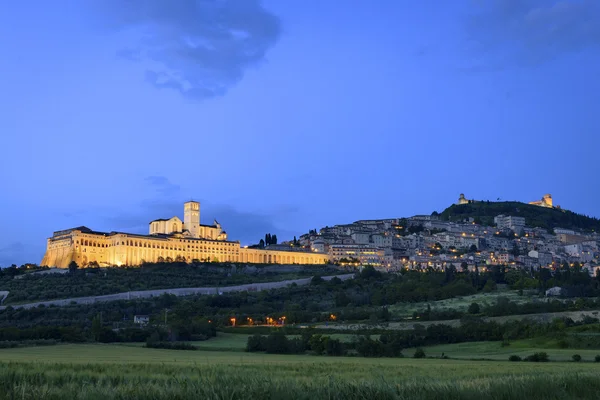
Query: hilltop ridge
[483, 212]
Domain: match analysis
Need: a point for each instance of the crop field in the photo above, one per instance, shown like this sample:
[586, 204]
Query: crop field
[113, 371]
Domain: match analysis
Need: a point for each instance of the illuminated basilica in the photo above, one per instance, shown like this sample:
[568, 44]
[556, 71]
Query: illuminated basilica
[167, 239]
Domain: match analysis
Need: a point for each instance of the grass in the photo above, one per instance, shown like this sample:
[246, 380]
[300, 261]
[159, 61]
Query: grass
[406, 310]
[495, 351]
[114, 371]
[234, 342]
[237, 341]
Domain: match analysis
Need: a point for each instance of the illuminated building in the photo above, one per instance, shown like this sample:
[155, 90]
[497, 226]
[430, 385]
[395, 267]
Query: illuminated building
[168, 240]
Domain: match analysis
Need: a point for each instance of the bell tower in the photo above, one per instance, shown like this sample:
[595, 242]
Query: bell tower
[191, 218]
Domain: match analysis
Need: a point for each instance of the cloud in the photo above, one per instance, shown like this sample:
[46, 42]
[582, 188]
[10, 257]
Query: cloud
[199, 48]
[525, 33]
[162, 185]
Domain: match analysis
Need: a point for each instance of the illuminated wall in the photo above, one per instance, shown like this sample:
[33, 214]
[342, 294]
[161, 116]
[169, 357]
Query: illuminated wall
[128, 249]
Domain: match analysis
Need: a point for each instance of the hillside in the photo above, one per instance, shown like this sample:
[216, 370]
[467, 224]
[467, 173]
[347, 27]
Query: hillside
[547, 218]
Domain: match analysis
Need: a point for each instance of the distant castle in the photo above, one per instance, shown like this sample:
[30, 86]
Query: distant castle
[463, 200]
[546, 201]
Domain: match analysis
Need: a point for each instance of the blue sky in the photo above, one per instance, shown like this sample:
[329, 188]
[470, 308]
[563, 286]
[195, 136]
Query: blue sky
[284, 116]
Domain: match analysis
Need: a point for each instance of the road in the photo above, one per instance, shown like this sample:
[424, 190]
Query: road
[144, 294]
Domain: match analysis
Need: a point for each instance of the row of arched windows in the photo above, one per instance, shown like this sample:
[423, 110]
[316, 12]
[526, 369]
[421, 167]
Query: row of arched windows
[221, 247]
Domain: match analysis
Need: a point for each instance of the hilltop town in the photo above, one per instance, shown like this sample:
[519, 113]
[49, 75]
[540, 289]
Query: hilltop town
[439, 240]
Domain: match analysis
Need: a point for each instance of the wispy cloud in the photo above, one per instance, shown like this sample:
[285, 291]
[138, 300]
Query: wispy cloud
[198, 47]
[505, 33]
[163, 185]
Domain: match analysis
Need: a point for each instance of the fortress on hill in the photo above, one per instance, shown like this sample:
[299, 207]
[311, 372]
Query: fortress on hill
[546, 201]
[167, 239]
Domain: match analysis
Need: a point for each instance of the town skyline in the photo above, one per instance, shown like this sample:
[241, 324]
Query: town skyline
[143, 231]
[283, 121]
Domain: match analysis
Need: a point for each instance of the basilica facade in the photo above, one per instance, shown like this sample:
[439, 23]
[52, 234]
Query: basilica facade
[167, 239]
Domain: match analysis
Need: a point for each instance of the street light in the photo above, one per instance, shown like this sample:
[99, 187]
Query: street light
[232, 321]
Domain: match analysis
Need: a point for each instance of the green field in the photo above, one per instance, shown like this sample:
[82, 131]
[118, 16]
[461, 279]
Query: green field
[495, 351]
[459, 303]
[117, 371]
[237, 341]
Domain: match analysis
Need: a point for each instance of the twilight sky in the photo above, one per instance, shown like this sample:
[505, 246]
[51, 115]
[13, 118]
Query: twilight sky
[287, 115]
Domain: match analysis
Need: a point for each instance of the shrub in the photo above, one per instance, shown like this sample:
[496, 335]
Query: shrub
[576, 357]
[419, 353]
[537, 357]
[597, 358]
[170, 345]
[514, 358]
[256, 343]
[474, 308]
[317, 343]
[334, 347]
[367, 347]
[276, 343]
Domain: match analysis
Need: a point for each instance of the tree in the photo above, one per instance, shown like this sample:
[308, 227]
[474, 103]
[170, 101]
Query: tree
[96, 327]
[295, 241]
[261, 244]
[333, 347]
[274, 239]
[489, 286]
[474, 308]
[419, 353]
[515, 250]
[473, 248]
[73, 266]
[449, 273]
